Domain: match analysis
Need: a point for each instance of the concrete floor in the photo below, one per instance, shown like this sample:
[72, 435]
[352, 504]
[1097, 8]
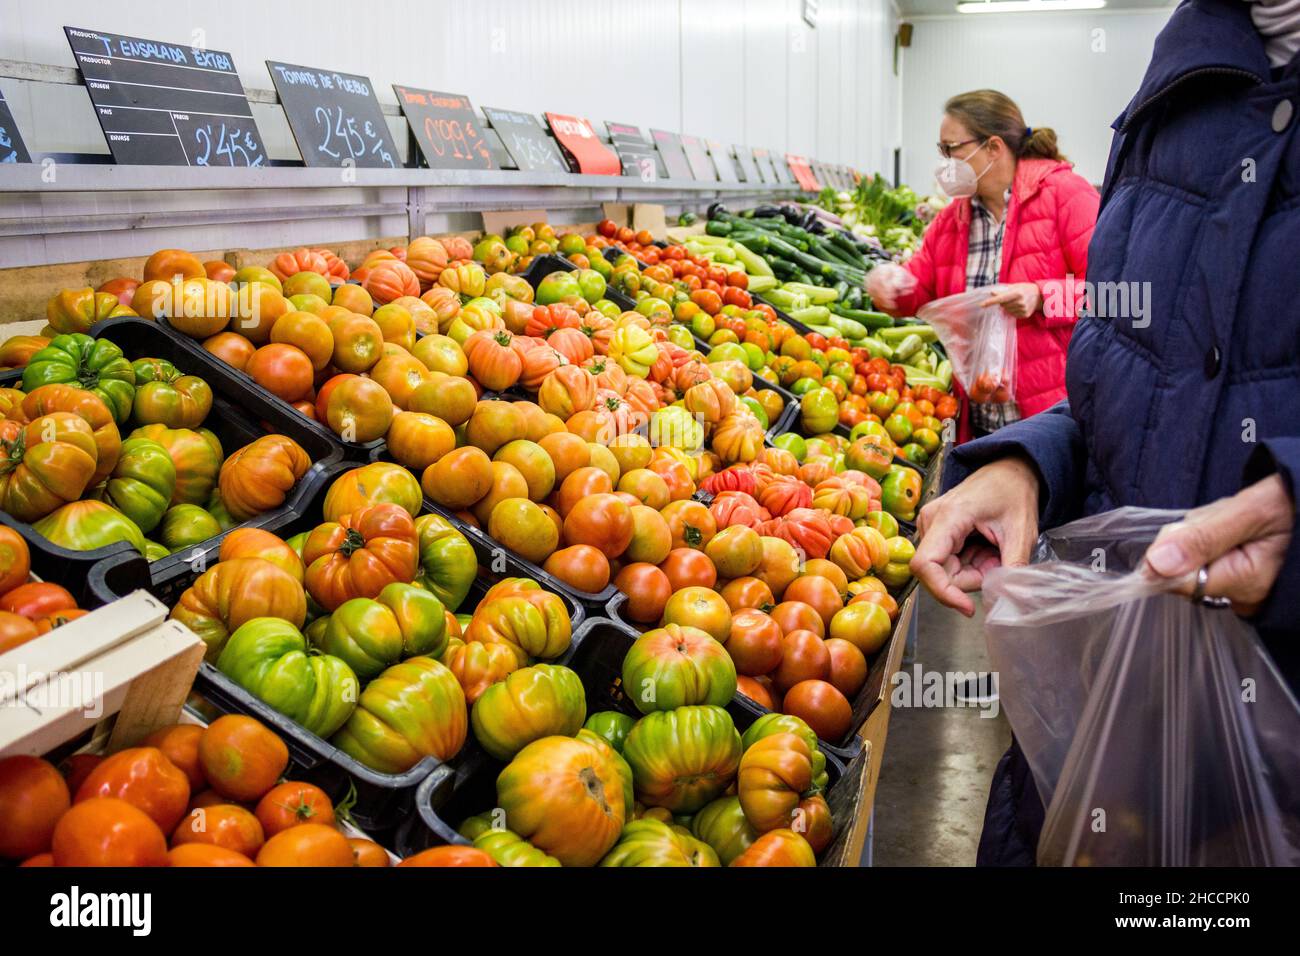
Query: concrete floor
[938, 759]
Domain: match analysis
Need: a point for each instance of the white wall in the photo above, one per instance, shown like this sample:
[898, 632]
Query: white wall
[742, 71]
[1073, 72]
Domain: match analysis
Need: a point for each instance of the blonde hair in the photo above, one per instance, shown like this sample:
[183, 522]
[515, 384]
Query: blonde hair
[990, 113]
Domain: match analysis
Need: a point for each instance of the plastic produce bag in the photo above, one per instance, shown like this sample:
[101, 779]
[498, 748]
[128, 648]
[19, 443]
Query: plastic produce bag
[980, 342]
[1158, 730]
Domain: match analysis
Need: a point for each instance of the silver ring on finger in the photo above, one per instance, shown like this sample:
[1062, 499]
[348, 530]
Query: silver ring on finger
[1199, 595]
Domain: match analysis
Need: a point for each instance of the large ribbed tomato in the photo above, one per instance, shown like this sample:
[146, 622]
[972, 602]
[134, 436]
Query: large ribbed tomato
[533, 702]
[478, 666]
[681, 759]
[531, 622]
[259, 476]
[781, 847]
[649, 842]
[234, 592]
[775, 772]
[722, 825]
[371, 484]
[45, 464]
[360, 554]
[565, 797]
[673, 666]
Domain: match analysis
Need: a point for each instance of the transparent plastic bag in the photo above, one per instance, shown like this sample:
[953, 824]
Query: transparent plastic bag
[980, 342]
[1159, 732]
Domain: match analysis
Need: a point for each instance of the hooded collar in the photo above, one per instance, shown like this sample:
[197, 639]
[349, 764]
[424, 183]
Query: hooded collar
[1201, 35]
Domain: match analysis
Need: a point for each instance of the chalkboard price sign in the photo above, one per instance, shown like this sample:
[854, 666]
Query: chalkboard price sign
[12, 149]
[639, 158]
[167, 104]
[698, 159]
[335, 117]
[720, 153]
[748, 168]
[670, 148]
[528, 144]
[446, 128]
[766, 171]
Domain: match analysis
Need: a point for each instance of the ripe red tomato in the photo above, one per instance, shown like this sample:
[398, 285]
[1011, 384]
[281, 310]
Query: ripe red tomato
[283, 370]
[180, 744]
[224, 825]
[848, 666]
[33, 795]
[15, 630]
[738, 278]
[450, 856]
[144, 778]
[821, 707]
[648, 590]
[106, 831]
[686, 567]
[797, 616]
[754, 642]
[37, 599]
[582, 566]
[308, 844]
[755, 691]
[241, 758]
[803, 657]
[293, 803]
[818, 593]
[607, 228]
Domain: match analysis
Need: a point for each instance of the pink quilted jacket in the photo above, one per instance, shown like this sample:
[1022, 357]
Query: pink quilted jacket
[1048, 227]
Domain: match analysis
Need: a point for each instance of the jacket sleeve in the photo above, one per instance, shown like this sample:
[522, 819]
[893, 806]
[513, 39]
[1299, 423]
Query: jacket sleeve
[1076, 216]
[1053, 441]
[1280, 456]
[922, 267]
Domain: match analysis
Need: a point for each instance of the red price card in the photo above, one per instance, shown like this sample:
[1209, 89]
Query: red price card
[585, 151]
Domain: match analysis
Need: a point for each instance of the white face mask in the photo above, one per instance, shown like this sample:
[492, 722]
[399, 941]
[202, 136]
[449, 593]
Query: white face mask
[957, 177]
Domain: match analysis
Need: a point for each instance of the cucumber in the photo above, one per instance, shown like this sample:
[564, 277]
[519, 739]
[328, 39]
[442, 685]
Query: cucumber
[907, 348]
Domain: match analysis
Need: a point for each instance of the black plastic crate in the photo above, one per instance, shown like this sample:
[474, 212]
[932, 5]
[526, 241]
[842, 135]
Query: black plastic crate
[237, 418]
[258, 400]
[863, 703]
[445, 799]
[381, 798]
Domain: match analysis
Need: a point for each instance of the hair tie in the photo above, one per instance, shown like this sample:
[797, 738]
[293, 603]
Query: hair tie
[1029, 131]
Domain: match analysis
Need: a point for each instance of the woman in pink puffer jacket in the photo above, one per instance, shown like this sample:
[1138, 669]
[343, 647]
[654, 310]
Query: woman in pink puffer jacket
[1020, 218]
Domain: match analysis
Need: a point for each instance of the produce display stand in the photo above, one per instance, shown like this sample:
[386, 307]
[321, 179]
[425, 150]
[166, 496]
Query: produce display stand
[139, 665]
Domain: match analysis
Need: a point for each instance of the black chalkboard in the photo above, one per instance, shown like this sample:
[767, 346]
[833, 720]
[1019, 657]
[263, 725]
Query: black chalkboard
[526, 140]
[698, 159]
[12, 148]
[748, 168]
[335, 117]
[167, 104]
[639, 157]
[670, 148]
[720, 153]
[446, 128]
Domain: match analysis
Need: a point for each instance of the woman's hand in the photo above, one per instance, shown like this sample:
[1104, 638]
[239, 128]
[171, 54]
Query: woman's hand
[999, 502]
[1243, 540]
[887, 283]
[1022, 299]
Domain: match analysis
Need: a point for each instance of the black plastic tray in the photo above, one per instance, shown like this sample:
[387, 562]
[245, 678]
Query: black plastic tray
[259, 399]
[447, 798]
[381, 798]
[236, 418]
[486, 544]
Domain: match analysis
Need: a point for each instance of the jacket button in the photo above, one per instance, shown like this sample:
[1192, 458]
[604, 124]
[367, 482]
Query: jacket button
[1282, 114]
[1213, 359]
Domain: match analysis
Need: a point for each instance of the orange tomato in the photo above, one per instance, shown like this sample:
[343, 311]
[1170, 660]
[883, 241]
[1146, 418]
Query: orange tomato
[817, 592]
[144, 778]
[291, 804]
[647, 589]
[33, 795]
[459, 478]
[702, 608]
[368, 853]
[848, 667]
[821, 707]
[691, 524]
[241, 758]
[15, 560]
[304, 331]
[358, 409]
[581, 566]
[601, 520]
[449, 856]
[179, 743]
[756, 691]
[283, 370]
[686, 567]
[106, 831]
[224, 825]
[746, 592]
[308, 844]
[803, 657]
[651, 540]
[205, 854]
[579, 485]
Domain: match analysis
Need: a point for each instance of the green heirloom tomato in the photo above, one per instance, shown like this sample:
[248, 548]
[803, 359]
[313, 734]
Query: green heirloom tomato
[510, 849]
[197, 455]
[591, 285]
[672, 666]
[616, 758]
[900, 492]
[794, 444]
[723, 826]
[164, 395]
[413, 710]
[533, 702]
[682, 759]
[611, 725]
[556, 287]
[883, 522]
[448, 564]
[471, 827]
[154, 551]
[654, 843]
[728, 352]
[186, 525]
[599, 263]
[607, 308]
[90, 524]
[770, 724]
[403, 621]
[142, 484]
[217, 508]
[680, 336]
[758, 410]
[820, 410]
[96, 365]
[268, 657]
